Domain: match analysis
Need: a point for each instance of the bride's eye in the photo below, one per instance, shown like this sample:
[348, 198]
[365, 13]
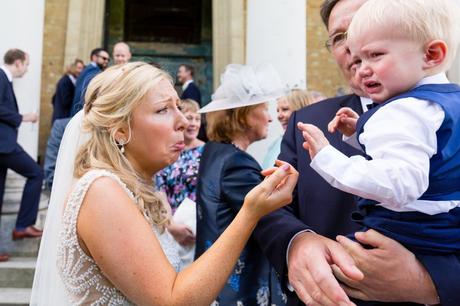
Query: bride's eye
[163, 110]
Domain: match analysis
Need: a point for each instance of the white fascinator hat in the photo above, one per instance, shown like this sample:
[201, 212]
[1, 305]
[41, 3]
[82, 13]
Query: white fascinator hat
[243, 85]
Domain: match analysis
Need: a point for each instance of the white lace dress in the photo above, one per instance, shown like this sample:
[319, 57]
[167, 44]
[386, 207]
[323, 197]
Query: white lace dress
[83, 280]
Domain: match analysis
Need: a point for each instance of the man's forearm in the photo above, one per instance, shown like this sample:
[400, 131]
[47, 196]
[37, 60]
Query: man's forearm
[444, 271]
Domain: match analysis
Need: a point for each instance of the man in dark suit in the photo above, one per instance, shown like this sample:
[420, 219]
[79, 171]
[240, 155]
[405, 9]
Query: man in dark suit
[99, 61]
[189, 89]
[65, 91]
[12, 156]
[298, 239]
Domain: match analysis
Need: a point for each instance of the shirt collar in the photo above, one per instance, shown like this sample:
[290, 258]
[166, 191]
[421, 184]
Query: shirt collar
[8, 73]
[439, 78]
[72, 78]
[364, 103]
[185, 85]
[93, 63]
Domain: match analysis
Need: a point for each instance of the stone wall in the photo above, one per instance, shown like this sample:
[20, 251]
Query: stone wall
[55, 31]
[322, 72]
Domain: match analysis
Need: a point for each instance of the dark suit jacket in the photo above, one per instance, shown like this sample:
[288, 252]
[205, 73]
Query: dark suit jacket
[326, 210]
[10, 119]
[62, 98]
[83, 80]
[192, 92]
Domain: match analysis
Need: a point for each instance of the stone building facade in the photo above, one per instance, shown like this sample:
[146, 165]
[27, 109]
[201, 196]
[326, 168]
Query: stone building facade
[73, 27]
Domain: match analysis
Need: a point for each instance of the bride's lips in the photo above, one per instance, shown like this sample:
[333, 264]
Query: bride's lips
[179, 146]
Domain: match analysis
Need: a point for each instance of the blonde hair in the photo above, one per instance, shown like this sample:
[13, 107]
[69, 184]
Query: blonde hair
[418, 20]
[299, 98]
[223, 126]
[189, 105]
[109, 103]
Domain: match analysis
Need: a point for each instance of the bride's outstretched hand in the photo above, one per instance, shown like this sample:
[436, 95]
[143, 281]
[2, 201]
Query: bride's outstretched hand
[275, 191]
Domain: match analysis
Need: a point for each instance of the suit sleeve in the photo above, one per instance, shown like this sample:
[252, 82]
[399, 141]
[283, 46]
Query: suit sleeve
[67, 95]
[444, 271]
[275, 231]
[7, 115]
[240, 174]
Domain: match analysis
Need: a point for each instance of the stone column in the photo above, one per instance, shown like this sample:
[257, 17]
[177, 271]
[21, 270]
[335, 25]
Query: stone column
[276, 34]
[229, 35]
[85, 26]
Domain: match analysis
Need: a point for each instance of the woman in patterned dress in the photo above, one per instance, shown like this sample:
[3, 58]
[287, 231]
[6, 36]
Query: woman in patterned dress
[110, 248]
[178, 180]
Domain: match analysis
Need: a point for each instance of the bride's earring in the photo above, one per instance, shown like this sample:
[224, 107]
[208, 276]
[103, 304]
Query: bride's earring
[121, 146]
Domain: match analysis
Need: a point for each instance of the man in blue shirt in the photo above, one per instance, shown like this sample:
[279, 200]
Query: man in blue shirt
[99, 61]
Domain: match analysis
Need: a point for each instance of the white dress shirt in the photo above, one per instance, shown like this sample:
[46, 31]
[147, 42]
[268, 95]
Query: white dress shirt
[72, 78]
[185, 85]
[8, 73]
[401, 138]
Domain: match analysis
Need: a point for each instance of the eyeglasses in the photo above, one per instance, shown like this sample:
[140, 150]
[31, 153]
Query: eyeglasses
[336, 40]
[104, 58]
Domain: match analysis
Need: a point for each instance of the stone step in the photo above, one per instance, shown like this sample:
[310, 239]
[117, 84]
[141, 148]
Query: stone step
[21, 248]
[25, 247]
[18, 272]
[14, 296]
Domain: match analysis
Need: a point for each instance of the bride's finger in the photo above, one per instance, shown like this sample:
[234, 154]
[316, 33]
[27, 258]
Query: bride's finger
[271, 182]
[268, 171]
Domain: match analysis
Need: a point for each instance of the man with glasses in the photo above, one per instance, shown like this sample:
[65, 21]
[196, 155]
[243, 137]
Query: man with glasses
[99, 61]
[299, 239]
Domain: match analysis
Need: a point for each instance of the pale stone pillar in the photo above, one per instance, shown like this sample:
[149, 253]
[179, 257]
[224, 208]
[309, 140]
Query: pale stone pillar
[85, 26]
[228, 35]
[276, 34]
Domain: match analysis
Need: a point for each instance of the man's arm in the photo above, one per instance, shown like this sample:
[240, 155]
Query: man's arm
[8, 115]
[275, 231]
[444, 271]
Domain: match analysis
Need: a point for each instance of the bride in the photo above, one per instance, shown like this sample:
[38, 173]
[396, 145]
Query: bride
[98, 246]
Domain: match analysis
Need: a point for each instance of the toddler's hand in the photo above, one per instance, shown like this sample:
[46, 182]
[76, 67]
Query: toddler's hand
[344, 121]
[315, 140]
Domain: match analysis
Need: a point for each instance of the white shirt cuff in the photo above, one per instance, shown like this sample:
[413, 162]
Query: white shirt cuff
[288, 285]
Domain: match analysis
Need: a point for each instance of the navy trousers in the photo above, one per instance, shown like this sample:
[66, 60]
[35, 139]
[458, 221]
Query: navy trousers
[20, 162]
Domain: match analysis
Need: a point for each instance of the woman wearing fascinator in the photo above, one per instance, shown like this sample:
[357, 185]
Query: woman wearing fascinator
[237, 116]
[104, 239]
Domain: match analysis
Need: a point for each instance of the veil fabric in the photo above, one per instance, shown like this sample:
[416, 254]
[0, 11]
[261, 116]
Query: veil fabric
[48, 287]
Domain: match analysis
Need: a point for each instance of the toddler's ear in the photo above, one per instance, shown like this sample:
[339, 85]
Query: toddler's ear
[435, 53]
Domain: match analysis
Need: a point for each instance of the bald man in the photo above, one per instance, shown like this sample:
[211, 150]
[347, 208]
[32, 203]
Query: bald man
[121, 53]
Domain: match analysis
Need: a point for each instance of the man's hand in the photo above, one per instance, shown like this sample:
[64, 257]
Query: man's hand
[315, 140]
[344, 121]
[309, 264]
[30, 117]
[391, 272]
